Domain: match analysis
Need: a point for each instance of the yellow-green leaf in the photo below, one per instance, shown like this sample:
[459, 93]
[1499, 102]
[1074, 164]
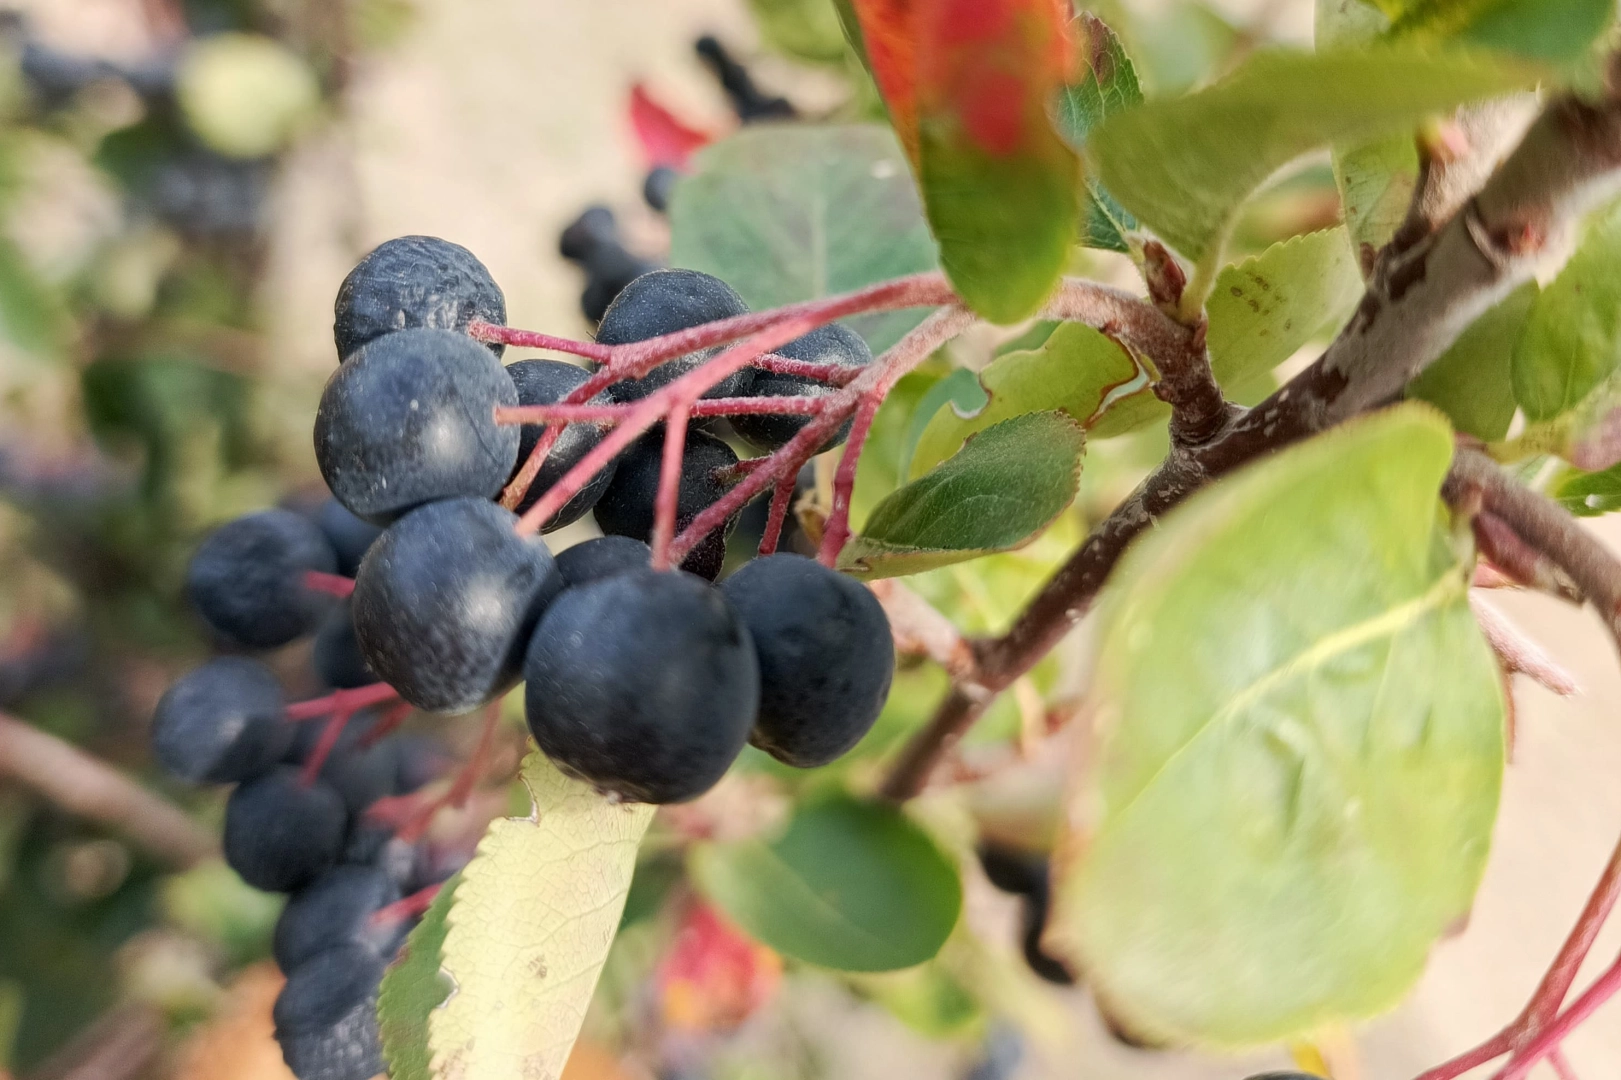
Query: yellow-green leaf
[1298, 752]
[530, 927]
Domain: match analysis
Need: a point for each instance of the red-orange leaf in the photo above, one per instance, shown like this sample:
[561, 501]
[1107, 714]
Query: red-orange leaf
[887, 32]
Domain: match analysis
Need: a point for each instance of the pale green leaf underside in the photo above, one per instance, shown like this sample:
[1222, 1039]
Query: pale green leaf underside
[413, 987]
[785, 213]
[1184, 165]
[530, 927]
[1300, 747]
[1006, 485]
[850, 885]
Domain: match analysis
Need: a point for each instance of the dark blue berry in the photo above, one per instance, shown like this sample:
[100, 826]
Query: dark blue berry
[662, 302]
[446, 600]
[413, 282]
[826, 656]
[349, 535]
[409, 419]
[247, 578]
[546, 382]
[221, 723]
[600, 558]
[281, 832]
[336, 653]
[326, 1016]
[335, 909]
[644, 684]
[627, 507]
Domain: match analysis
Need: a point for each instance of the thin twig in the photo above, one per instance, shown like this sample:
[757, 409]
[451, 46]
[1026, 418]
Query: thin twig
[1517, 653]
[92, 789]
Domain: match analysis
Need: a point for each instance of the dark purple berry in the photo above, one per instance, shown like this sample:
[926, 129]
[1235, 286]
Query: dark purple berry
[326, 1016]
[247, 578]
[222, 722]
[627, 507]
[336, 654]
[335, 909]
[644, 684]
[410, 283]
[409, 419]
[446, 600]
[349, 535]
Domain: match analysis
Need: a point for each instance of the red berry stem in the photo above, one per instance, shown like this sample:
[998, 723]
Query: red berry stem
[781, 499]
[409, 907]
[668, 498]
[530, 339]
[335, 584]
[650, 410]
[1547, 1042]
[388, 724]
[330, 734]
[837, 530]
[461, 788]
[361, 697]
[590, 414]
[832, 374]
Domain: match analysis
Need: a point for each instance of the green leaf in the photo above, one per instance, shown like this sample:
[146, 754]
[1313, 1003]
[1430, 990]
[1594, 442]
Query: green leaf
[1572, 341]
[959, 394]
[1299, 747]
[31, 314]
[1376, 181]
[530, 926]
[1075, 370]
[807, 29]
[413, 987]
[1472, 381]
[1006, 485]
[849, 885]
[1108, 86]
[1184, 166]
[1265, 308]
[1589, 494]
[1554, 30]
[785, 213]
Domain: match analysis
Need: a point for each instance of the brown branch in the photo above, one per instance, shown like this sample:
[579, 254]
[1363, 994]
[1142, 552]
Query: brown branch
[920, 629]
[1419, 299]
[92, 789]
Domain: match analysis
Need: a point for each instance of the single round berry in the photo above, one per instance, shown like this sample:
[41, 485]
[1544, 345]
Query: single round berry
[826, 656]
[221, 723]
[413, 282]
[281, 833]
[546, 382]
[830, 344]
[247, 578]
[627, 507]
[326, 1016]
[600, 558]
[335, 909]
[361, 775]
[349, 535]
[662, 302]
[644, 684]
[410, 418]
[445, 602]
[595, 227]
[1012, 870]
[659, 187]
[336, 653]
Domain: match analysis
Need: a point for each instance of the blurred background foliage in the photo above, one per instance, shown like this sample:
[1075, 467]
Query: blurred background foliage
[144, 397]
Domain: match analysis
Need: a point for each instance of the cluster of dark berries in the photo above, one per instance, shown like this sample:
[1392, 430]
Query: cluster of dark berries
[297, 821]
[645, 683]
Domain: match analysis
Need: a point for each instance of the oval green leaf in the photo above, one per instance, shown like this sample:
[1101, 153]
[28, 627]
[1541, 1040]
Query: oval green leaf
[849, 885]
[1184, 165]
[997, 493]
[1299, 748]
[785, 213]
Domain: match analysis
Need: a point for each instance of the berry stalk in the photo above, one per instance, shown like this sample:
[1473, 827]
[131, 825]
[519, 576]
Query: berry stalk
[781, 499]
[361, 697]
[669, 492]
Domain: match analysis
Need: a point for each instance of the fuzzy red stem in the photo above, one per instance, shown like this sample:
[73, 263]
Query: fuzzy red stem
[361, 697]
[832, 374]
[1550, 993]
[480, 330]
[334, 584]
[636, 358]
[669, 492]
[325, 745]
[407, 908]
[649, 410]
[588, 414]
[462, 787]
[780, 501]
[1555, 1033]
[388, 724]
[1561, 1066]
[837, 529]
